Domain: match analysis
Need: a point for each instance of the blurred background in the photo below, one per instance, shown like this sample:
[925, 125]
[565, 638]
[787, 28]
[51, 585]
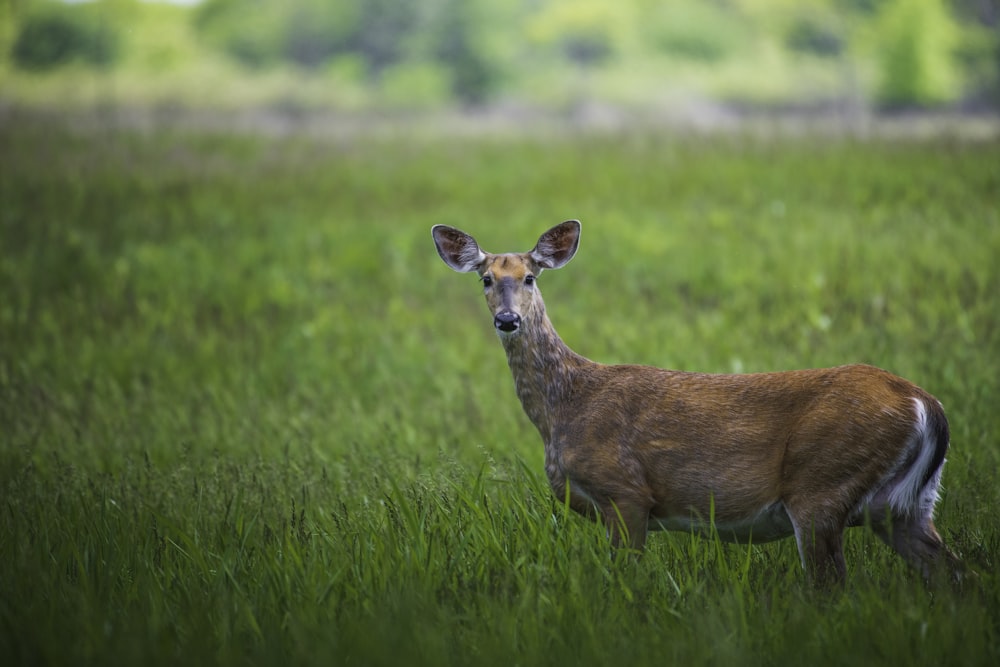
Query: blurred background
[707, 61]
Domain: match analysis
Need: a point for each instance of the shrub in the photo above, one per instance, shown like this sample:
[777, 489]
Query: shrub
[917, 38]
[695, 31]
[247, 30]
[585, 33]
[308, 33]
[816, 34]
[59, 34]
[458, 47]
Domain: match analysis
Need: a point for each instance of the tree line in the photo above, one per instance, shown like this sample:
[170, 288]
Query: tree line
[925, 52]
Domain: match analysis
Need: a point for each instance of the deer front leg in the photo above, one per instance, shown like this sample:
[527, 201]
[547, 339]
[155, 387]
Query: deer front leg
[622, 509]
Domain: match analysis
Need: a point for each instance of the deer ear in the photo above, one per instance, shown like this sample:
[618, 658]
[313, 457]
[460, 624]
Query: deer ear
[558, 245]
[458, 250]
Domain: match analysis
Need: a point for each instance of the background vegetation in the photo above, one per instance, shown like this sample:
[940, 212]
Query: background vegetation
[248, 416]
[551, 54]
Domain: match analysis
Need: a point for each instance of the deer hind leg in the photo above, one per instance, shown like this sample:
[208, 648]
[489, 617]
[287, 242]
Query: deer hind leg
[627, 523]
[908, 528]
[822, 551]
[917, 541]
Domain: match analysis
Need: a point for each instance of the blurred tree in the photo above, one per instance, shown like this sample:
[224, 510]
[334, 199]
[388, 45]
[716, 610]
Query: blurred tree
[817, 32]
[923, 52]
[917, 39]
[380, 35]
[54, 34]
[315, 30]
[583, 31]
[459, 48]
[248, 30]
[986, 12]
[862, 7]
[695, 30]
[979, 50]
[308, 33]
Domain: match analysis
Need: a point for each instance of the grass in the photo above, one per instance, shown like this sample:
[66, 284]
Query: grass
[248, 416]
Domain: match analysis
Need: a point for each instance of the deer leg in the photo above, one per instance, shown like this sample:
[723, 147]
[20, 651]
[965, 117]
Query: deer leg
[918, 542]
[822, 552]
[627, 523]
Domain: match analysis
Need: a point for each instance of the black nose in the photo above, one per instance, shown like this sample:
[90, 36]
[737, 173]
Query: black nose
[507, 321]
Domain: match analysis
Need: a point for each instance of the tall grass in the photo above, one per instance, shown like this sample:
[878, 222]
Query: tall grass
[247, 416]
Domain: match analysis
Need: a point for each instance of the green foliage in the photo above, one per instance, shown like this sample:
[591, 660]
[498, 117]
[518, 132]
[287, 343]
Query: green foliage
[260, 33]
[977, 55]
[382, 31]
[582, 31]
[247, 416]
[917, 43]
[385, 35]
[54, 34]
[414, 85]
[458, 45]
[315, 30]
[700, 31]
[354, 54]
[817, 33]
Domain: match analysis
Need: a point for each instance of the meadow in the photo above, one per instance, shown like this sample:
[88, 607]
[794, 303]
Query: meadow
[247, 415]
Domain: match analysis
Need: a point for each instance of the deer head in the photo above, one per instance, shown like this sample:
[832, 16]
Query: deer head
[509, 279]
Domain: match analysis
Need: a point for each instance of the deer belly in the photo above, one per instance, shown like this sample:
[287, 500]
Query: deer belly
[769, 523]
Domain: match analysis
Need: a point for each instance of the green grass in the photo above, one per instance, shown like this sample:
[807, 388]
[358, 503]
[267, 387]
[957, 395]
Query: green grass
[247, 416]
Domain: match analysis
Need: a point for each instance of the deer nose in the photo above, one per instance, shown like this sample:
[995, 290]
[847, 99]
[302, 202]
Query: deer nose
[507, 321]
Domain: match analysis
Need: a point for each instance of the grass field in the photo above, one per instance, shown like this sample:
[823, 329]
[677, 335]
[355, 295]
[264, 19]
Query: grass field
[247, 416]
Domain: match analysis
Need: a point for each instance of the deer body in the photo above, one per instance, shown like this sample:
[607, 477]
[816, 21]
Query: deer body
[765, 456]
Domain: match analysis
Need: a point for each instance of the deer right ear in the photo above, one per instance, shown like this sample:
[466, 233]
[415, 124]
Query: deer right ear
[458, 250]
[558, 245]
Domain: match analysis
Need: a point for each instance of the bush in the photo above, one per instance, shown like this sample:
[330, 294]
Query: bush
[815, 34]
[247, 30]
[413, 85]
[458, 47]
[584, 33]
[917, 38]
[308, 33]
[60, 34]
[380, 34]
[695, 31]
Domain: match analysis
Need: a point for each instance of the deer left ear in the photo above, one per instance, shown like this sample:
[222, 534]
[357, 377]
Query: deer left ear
[458, 250]
[557, 246]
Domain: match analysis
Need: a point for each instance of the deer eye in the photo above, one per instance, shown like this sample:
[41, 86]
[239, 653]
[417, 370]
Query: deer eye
[529, 279]
[487, 281]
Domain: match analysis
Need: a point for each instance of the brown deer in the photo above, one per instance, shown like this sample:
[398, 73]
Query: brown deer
[767, 455]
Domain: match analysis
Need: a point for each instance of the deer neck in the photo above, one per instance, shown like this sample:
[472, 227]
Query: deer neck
[544, 368]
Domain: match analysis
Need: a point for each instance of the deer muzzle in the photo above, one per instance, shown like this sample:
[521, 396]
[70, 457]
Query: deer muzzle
[507, 321]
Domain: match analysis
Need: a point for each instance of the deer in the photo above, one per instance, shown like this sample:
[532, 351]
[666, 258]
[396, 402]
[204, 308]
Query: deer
[752, 457]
